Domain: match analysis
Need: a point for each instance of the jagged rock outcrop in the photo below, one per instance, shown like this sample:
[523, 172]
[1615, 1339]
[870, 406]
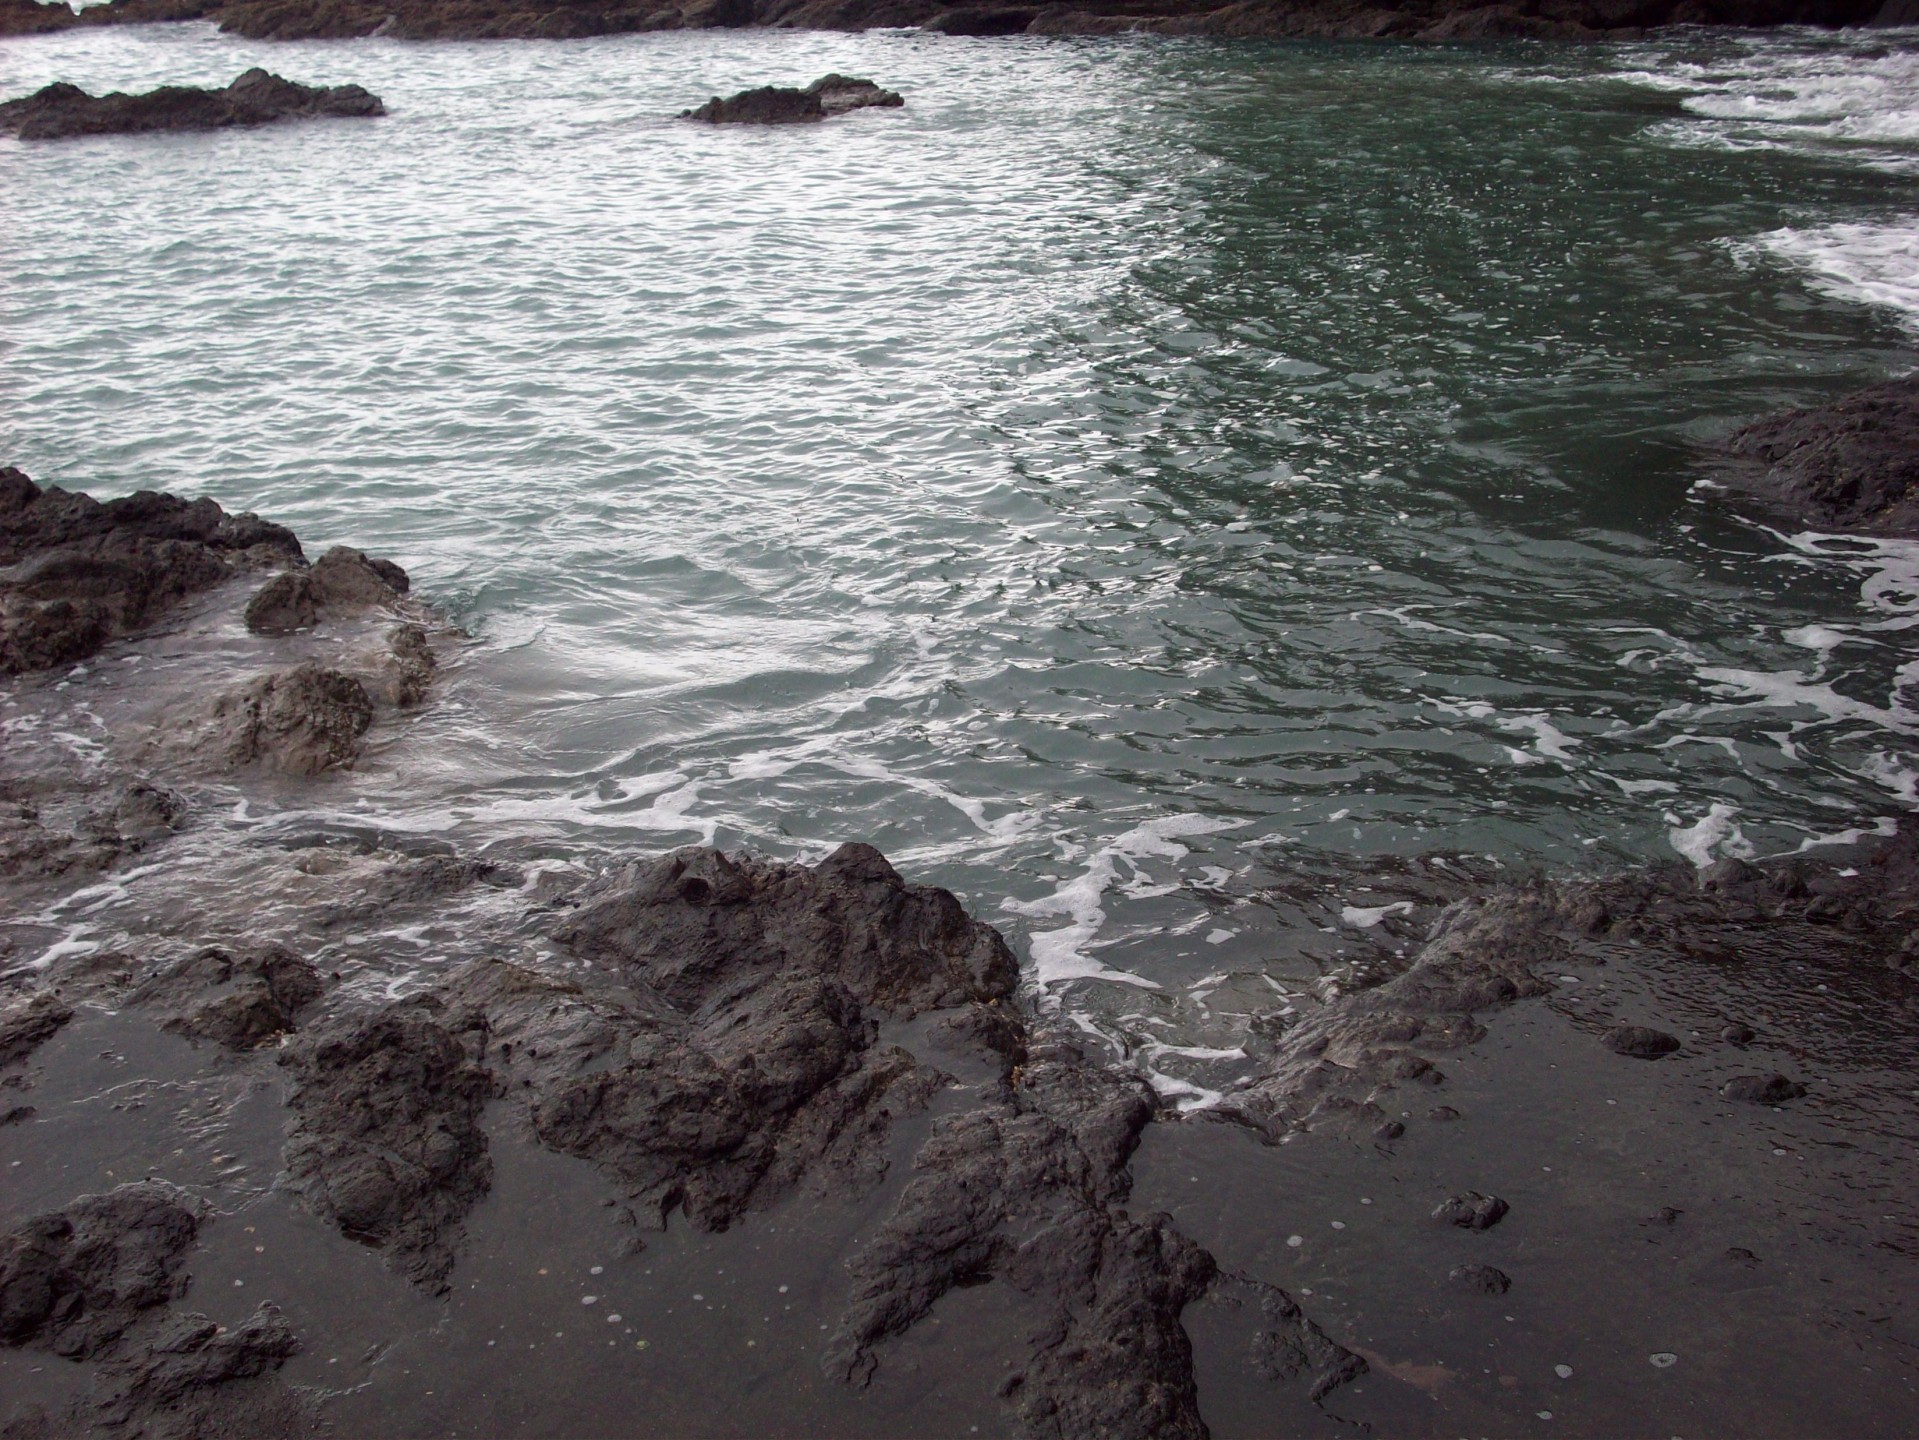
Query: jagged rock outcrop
[344, 581]
[76, 572]
[239, 997]
[65, 112]
[1851, 465]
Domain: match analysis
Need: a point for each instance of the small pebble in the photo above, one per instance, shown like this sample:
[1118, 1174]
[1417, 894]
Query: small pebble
[1339, 1224]
[782, 1289]
[1295, 1241]
[597, 1270]
[613, 1319]
[1564, 1372]
[1663, 1360]
[1545, 1414]
[589, 1299]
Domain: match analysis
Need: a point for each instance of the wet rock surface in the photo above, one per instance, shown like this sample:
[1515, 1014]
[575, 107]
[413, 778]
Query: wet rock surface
[66, 112]
[826, 97]
[76, 573]
[1428, 20]
[1641, 1042]
[74, 1280]
[1851, 465]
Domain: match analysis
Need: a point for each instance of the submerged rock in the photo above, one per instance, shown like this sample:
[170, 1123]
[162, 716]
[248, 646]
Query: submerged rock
[777, 105]
[194, 1380]
[27, 1022]
[1471, 1210]
[1851, 465]
[1481, 1279]
[301, 721]
[63, 112]
[1640, 1042]
[1772, 1089]
[238, 999]
[342, 581]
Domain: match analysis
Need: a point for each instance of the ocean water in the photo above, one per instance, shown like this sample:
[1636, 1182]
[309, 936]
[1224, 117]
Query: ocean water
[1129, 473]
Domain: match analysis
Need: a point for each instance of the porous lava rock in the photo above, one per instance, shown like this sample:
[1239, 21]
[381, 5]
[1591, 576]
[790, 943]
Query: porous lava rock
[76, 572]
[301, 721]
[779, 105]
[386, 1143]
[61, 111]
[1851, 465]
[72, 1281]
[1470, 1210]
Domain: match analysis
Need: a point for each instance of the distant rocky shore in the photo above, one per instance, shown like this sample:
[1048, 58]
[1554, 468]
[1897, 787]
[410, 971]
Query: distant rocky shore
[63, 112]
[1428, 20]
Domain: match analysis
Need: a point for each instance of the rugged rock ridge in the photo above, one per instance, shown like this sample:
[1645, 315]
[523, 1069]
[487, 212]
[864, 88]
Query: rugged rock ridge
[65, 112]
[1432, 20]
[76, 573]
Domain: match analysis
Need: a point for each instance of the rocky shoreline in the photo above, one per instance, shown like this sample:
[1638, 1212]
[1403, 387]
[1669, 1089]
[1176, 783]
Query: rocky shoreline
[708, 1051]
[1424, 20]
[64, 112]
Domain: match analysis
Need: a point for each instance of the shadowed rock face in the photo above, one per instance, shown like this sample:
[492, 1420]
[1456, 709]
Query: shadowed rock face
[64, 112]
[775, 105]
[76, 573]
[1433, 20]
[1851, 465]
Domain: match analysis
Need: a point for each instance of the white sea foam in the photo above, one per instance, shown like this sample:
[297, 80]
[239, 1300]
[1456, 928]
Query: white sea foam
[1061, 955]
[1874, 264]
[1365, 917]
[1716, 830]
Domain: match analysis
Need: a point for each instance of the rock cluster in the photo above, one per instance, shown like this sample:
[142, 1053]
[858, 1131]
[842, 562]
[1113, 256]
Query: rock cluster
[64, 112]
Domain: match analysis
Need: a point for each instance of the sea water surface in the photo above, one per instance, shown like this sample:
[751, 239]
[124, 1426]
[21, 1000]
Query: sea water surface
[1129, 468]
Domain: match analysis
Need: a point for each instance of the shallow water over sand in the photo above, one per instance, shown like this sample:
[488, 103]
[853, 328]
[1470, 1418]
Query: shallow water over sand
[1126, 467]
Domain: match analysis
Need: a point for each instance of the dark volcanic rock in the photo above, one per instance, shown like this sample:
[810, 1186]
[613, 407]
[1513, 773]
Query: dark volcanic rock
[1482, 1279]
[1850, 465]
[1028, 1192]
[72, 1281]
[27, 1022]
[1762, 1089]
[1291, 1347]
[1471, 1211]
[238, 999]
[387, 1143]
[1640, 1042]
[776, 105]
[75, 573]
[342, 581]
[63, 112]
[139, 816]
[300, 721]
[195, 1380]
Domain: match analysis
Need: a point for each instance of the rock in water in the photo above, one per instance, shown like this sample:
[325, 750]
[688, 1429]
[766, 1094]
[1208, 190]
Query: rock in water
[342, 581]
[1471, 1211]
[62, 112]
[1849, 465]
[1640, 1042]
[1762, 1089]
[1483, 1279]
[779, 105]
[301, 721]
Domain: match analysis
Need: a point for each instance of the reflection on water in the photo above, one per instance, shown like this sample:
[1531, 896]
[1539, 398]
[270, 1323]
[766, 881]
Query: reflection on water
[1125, 464]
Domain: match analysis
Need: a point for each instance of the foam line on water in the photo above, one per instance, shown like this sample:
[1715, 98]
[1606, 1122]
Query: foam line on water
[1060, 956]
